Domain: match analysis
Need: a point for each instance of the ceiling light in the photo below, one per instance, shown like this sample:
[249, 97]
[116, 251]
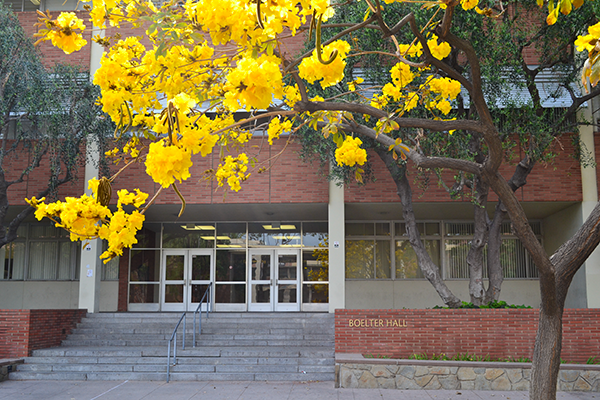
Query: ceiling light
[194, 227]
[280, 227]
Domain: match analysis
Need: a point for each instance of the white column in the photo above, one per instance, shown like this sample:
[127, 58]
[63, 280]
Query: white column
[589, 190]
[337, 263]
[90, 263]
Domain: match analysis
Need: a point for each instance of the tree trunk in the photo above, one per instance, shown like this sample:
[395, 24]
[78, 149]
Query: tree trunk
[546, 355]
[494, 266]
[427, 266]
[475, 255]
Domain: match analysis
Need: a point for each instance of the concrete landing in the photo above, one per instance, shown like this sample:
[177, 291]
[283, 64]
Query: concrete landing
[136, 390]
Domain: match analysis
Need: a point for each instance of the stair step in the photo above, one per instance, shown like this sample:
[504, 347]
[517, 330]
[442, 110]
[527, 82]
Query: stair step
[149, 376]
[232, 346]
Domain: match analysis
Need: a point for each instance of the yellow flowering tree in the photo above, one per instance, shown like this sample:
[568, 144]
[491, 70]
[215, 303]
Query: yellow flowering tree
[203, 61]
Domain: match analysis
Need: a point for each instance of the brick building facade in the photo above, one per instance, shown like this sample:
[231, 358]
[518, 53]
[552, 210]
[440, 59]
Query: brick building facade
[261, 248]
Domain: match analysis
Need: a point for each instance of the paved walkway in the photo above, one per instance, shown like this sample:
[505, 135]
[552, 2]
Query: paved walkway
[136, 390]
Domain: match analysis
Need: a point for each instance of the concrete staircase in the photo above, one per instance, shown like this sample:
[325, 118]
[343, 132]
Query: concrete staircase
[232, 346]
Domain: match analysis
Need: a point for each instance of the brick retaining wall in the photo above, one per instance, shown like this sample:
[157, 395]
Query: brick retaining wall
[499, 333]
[22, 331]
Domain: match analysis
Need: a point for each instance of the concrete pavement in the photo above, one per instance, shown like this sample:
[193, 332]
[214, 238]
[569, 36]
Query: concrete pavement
[256, 390]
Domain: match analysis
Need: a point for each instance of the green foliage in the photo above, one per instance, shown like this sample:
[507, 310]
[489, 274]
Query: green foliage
[457, 357]
[491, 304]
[369, 355]
[592, 360]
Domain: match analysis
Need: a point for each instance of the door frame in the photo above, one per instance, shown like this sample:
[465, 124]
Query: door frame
[187, 282]
[274, 281]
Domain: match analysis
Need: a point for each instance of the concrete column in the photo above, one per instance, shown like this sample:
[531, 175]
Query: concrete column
[337, 260]
[589, 188]
[90, 263]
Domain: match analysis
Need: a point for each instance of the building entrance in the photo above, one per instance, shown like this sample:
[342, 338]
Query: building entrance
[274, 280]
[186, 276]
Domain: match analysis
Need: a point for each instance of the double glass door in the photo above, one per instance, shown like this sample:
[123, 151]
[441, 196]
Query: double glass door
[186, 276]
[274, 280]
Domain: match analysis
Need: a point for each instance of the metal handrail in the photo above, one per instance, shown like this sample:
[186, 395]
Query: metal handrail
[183, 317]
[199, 312]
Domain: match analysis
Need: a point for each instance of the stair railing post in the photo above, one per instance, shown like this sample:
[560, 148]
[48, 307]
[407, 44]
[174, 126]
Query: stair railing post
[184, 325]
[194, 332]
[168, 361]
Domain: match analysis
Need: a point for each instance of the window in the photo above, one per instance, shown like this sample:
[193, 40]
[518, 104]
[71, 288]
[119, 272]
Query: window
[13, 255]
[405, 257]
[369, 256]
[22, 5]
[52, 255]
[514, 259]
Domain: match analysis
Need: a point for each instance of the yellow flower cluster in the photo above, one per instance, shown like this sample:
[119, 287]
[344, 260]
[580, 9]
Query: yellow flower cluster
[445, 86]
[438, 50]
[276, 128]
[312, 70]
[350, 153]
[85, 218]
[411, 50]
[444, 90]
[233, 170]
[469, 4]
[588, 42]
[166, 163]
[63, 32]
[591, 43]
[352, 84]
[398, 89]
[291, 95]
[253, 83]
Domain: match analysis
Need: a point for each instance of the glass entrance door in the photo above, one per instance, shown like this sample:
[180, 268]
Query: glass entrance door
[186, 276]
[274, 280]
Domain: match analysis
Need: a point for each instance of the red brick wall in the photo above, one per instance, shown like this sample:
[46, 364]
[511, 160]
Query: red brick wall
[14, 340]
[559, 180]
[289, 181]
[37, 180]
[498, 333]
[22, 331]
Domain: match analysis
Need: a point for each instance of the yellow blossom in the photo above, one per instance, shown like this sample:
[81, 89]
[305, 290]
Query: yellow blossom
[312, 70]
[233, 171]
[183, 102]
[167, 163]
[276, 128]
[352, 84]
[350, 153]
[63, 32]
[438, 50]
[469, 4]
